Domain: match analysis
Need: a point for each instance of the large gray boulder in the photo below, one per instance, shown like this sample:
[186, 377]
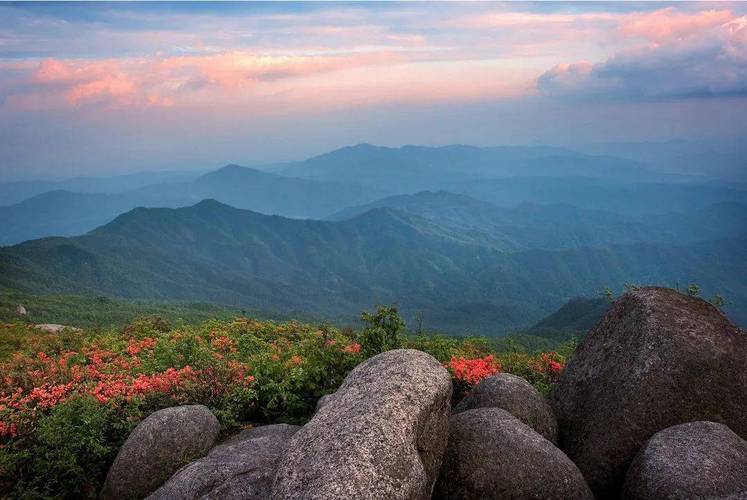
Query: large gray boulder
[241, 468]
[382, 435]
[493, 455]
[694, 460]
[157, 448]
[657, 359]
[516, 396]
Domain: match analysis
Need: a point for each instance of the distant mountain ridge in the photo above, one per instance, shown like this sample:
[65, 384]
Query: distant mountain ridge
[64, 213]
[356, 175]
[333, 269]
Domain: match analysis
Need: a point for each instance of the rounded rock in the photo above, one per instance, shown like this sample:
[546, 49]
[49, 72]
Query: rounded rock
[158, 447]
[516, 396]
[382, 435]
[493, 455]
[693, 460]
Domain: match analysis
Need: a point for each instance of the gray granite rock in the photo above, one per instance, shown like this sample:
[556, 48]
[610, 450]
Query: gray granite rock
[241, 468]
[516, 396]
[658, 358]
[493, 455]
[382, 435]
[693, 460]
[158, 447]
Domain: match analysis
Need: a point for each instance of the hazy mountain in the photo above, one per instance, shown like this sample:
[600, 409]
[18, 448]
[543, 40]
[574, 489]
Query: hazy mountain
[717, 159]
[334, 269]
[555, 227]
[416, 167]
[62, 213]
[268, 193]
[65, 213]
[15, 192]
[601, 194]
[577, 315]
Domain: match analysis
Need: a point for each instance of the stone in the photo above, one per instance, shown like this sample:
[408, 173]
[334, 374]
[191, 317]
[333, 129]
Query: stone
[243, 467]
[658, 358]
[516, 396]
[20, 310]
[54, 328]
[693, 460]
[382, 435]
[494, 455]
[158, 447]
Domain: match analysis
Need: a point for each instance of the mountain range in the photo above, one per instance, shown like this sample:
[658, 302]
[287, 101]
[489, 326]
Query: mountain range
[323, 185]
[397, 252]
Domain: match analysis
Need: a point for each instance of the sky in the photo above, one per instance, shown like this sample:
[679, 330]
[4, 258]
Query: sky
[102, 88]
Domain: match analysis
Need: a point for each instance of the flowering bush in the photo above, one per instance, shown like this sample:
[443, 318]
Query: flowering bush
[68, 401]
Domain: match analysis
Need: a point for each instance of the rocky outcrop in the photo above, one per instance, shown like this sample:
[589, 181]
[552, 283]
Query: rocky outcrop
[54, 328]
[516, 396]
[382, 435]
[241, 468]
[657, 359]
[493, 455]
[694, 460]
[157, 448]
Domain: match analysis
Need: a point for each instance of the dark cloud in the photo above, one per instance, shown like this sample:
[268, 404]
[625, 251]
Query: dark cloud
[713, 64]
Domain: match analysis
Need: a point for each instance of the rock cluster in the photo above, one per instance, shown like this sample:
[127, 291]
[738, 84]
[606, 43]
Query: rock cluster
[658, 358]
[516, 396]
[652, 406]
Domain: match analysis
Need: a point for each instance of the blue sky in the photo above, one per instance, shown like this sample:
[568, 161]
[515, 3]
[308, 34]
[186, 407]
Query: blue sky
[91, 88]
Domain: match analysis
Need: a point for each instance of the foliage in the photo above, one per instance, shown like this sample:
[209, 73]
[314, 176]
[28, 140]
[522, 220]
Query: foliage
[383, 331]
[69, 400]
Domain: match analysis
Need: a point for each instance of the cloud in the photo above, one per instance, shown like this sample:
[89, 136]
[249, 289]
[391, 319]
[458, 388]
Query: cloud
[689, 57]
[162, 81]
[667, 24]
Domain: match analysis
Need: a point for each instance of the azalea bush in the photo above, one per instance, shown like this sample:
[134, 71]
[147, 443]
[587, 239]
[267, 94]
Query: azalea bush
[69, 400]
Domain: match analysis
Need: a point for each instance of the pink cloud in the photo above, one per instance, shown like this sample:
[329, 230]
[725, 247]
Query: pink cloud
[666, 24]
[163, 81]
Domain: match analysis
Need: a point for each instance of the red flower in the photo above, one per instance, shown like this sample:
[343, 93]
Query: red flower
[353, 348]
[472, 371]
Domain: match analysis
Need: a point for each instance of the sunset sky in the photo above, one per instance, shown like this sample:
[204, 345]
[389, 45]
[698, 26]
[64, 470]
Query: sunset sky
[102, 88]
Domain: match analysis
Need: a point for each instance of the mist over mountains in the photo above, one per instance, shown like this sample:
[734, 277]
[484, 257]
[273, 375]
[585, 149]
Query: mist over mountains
[468, 239]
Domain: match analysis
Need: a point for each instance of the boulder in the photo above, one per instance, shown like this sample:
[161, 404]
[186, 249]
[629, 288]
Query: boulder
[493, 455]
[516, 396]
[658, 358]
[55, 328]
[382, 435]
[694, 460]
[241, 468]
[157, 448]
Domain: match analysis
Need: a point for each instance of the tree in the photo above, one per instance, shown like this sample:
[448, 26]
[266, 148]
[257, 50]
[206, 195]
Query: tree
[382, 332]
[693, 290]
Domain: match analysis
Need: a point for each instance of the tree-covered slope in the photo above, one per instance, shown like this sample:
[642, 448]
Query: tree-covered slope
[333, 269]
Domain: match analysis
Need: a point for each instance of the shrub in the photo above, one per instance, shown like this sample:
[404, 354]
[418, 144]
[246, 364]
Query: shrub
[383, 331]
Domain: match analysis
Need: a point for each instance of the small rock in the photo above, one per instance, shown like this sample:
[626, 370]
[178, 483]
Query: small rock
[516, 396]
[55, 328]
[157, 448]
[241, 468]
[493, 455]
[658, 358]
[21, 310]
[693, 460]
[382, 435]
